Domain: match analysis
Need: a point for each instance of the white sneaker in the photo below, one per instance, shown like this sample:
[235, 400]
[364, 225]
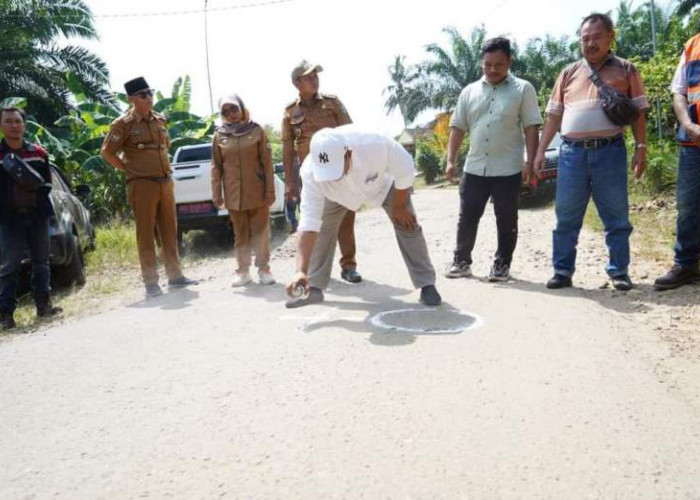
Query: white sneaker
[266, 278]
[241, 280]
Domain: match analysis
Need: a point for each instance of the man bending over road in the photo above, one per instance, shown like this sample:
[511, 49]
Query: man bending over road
[346, 168]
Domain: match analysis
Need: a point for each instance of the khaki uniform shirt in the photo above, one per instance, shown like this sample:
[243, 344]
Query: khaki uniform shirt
[242, 165]
[143, 143]
[302, 120]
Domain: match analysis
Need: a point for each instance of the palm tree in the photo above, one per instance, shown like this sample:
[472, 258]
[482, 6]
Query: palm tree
[686, 6]
[633, 30]
[34, 66]
[543, 59]
[403, 92]
[453, 68]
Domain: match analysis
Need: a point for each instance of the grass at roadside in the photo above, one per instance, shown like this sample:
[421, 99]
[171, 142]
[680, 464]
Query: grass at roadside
[653, 219]
[112, 271]
[111, 268]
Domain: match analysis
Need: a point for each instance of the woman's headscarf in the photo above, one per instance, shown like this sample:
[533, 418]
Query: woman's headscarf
[243, 126]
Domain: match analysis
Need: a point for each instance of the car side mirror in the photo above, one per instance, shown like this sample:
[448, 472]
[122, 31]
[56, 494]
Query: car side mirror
[82, 191]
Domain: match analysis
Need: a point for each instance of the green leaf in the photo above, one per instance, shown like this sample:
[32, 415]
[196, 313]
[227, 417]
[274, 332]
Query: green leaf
[14, 102]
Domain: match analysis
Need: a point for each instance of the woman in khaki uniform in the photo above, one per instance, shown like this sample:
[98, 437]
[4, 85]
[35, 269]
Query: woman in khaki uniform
[242, 169]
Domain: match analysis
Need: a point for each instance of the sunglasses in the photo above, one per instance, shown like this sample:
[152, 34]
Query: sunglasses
[230, 109]
[143, 94]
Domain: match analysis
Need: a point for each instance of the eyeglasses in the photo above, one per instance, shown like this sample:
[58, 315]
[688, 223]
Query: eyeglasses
[144, 94]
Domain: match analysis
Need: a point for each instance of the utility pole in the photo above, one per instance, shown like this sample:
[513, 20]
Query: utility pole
[206, 48]
[652, 9]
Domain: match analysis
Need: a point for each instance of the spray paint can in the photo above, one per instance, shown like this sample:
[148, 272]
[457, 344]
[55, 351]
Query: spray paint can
[298, 291]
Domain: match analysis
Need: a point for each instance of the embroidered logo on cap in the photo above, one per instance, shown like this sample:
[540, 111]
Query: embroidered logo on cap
[323, 158]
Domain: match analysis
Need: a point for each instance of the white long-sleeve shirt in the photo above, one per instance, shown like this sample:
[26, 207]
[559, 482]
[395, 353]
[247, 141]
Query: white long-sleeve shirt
[378, 162]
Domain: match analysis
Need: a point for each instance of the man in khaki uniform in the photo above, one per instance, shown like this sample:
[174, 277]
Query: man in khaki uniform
[137, 144]
[309, 113]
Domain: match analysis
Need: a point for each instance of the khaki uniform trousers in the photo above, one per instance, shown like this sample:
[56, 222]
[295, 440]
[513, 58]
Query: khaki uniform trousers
[153, 204]
[346, 235]
[414, 249]
[252, 233]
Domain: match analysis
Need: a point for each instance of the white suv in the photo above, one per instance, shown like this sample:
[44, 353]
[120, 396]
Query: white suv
[192, 176]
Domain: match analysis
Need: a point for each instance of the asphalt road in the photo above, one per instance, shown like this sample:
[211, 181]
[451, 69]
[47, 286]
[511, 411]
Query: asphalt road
[214, 392]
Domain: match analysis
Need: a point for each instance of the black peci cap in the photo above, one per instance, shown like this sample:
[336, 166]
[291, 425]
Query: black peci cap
[136, 85]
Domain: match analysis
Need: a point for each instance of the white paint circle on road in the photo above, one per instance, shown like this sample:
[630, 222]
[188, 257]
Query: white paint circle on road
[433, 321]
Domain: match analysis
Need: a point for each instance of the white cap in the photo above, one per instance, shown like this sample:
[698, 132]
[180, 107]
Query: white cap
[327, 155]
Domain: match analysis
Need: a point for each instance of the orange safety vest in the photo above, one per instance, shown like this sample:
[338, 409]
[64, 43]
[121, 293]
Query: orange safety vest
[692, 74]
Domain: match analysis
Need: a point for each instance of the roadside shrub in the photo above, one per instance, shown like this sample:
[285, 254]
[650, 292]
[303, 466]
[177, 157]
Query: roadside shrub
[428, 163]
[662, 162]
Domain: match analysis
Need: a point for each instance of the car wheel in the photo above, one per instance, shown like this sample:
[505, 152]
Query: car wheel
[74, 271]
[92, 242]
[181, 246]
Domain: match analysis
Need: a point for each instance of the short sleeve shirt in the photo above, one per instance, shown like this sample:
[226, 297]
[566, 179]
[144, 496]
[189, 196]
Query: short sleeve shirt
[495, 116]
[143, 143]
[302, 120]
[576, 99]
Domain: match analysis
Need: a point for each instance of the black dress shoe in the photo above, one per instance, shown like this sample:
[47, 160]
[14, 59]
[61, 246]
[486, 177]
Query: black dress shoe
[559, 281]
[351, 276]
[677, 276]
[314, 296]
[622, 283]
[7, 321]
[153, 290]
[181, 282]
[430, 296]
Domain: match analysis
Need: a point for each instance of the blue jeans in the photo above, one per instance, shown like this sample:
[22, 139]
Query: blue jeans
[688, 201]
[33, 229]
[601, 173]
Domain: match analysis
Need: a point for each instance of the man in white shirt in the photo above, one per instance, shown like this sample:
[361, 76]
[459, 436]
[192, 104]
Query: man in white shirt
[346, 168]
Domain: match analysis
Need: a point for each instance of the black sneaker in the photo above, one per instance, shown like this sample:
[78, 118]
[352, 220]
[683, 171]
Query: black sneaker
[430, 296]
[7, 321]
[181, 282]
[458, 270]
[622, 283]
[153, 290]
[677, 276]
[559, 281]
[351, 276]
[499, 272]
[314, 296]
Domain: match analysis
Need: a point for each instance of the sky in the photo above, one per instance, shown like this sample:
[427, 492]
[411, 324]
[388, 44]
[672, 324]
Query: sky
[255, 44]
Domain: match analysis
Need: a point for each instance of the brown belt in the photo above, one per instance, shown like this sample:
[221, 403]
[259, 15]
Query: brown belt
[141, 147]
[161, 179]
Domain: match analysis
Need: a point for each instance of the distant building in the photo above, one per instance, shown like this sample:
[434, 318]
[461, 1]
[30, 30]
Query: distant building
[408, 137]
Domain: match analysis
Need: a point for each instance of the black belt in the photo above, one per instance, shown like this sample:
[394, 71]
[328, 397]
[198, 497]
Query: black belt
[593, 143]
[25, 210]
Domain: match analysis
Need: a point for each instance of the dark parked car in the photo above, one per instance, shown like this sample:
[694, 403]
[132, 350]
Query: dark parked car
[544, 187]
[71, 232]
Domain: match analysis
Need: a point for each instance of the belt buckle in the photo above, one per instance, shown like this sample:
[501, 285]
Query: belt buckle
[140, 145]
[589, 143]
